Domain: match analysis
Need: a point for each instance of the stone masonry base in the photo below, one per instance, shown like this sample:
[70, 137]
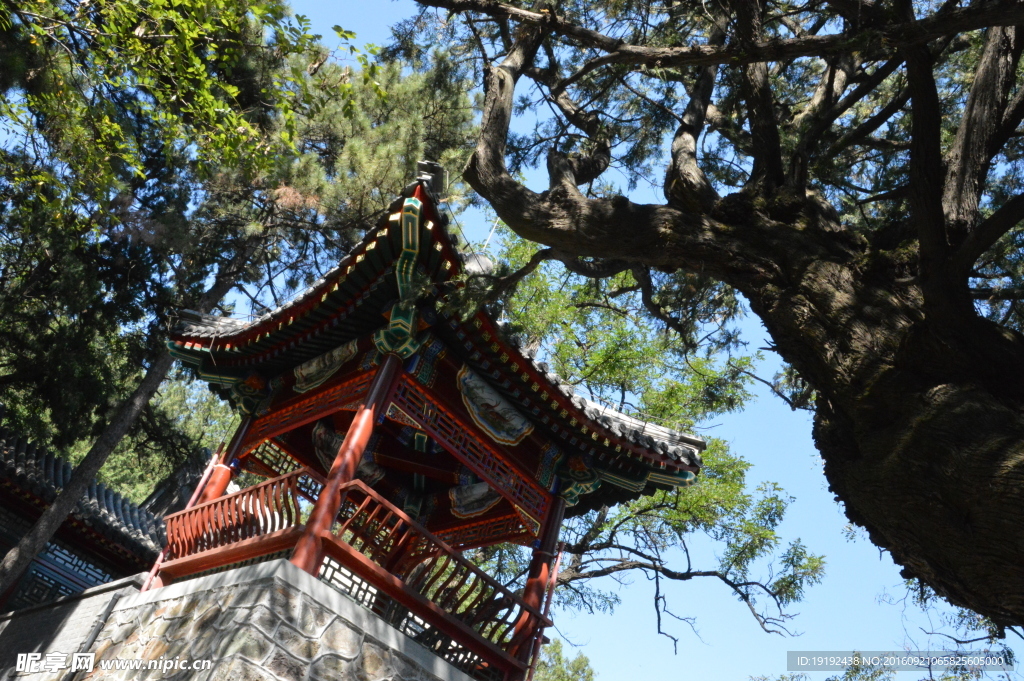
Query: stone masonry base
[264, 622]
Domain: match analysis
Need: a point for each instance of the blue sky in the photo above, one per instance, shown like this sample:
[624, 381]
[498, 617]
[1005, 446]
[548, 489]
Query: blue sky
[857, 607]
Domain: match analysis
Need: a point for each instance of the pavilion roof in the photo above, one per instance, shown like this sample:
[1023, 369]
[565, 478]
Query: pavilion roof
[351, 301]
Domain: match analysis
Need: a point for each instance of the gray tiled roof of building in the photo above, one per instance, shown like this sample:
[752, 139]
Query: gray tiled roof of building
[43, 474]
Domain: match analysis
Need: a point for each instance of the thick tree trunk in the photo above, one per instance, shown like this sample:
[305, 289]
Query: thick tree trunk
[920, 425]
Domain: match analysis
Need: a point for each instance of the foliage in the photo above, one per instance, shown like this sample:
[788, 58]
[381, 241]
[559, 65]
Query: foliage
[594, 335]
[554, 665]
[184, 423]
[350, 163]
[197, 76]
[113, 112]
[244, 161]
[151, 160]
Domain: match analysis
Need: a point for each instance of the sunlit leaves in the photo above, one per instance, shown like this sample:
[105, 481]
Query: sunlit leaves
[597, 334]
[555, 665]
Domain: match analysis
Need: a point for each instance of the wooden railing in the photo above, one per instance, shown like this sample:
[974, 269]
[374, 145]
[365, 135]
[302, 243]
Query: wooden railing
[380, 545]
[400, 558]
[262, 519]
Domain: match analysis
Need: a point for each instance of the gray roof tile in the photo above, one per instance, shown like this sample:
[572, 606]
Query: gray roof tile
[104, 510]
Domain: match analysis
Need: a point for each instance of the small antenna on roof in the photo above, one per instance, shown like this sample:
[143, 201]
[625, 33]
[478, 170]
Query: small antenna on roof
[435, 177]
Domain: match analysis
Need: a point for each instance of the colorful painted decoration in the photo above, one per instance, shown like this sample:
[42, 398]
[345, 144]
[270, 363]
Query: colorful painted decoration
[550, 458]
[490, 411]
[326, 444]
[313, 373]
[399, 335]
[423, 365]
[469, 501]
[247, 392]
[626, 483]
[273, 388]
[677, 479]
[578, 477]
[530, 524]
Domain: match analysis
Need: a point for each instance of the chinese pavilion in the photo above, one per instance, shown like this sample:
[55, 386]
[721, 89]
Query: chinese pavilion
[394, 437]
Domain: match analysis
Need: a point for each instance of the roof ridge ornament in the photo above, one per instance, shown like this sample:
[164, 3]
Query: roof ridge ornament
[398, 336]
[434, 178]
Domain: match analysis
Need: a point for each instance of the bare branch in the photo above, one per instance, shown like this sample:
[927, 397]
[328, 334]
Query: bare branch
[767, 145]
[820, 122]
[988, 232]
[643, 277]
[770, 624]
[1012, 293]
[686, 185]
[771, 386]
[958, 641]
[500, 286]
[871, 124]
[926, 175]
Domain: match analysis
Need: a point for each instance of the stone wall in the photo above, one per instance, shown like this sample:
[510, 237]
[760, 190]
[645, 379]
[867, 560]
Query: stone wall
[260, 623]
[61, 626]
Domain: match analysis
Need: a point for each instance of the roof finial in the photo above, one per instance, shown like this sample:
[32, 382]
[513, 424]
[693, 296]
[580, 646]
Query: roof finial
[434, 177]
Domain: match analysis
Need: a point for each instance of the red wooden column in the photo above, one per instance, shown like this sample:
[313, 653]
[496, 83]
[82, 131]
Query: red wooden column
[540, 569]
[222, 473]
[309, 549]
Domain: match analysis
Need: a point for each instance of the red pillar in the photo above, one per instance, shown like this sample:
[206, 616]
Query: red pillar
[540, 566]
[221, 476]
[309, 549]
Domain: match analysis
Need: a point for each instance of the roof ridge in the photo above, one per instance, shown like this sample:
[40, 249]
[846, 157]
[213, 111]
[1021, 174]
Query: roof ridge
[633, 428]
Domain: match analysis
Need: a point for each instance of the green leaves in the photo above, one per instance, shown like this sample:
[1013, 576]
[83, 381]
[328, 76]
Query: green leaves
[163, 67]
[598, 335]
[158, 155]
[554, 665]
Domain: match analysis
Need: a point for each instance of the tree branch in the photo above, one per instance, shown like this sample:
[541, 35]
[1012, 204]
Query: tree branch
[870, 42]
[926, 174]
[1012, 293]
[988, 232]
[767, 145]
[871, 124]
[970, 156]
[770, 624]
[686, 186]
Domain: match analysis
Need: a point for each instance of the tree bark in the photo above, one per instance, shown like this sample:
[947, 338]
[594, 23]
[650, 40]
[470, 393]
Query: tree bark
[920, 401]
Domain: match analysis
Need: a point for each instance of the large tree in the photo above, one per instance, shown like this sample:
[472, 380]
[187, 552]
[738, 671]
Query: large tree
[163, 157]
[721, 533]
[853, 168]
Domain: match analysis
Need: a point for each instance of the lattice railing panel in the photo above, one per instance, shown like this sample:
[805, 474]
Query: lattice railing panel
[392, 540]
[398, 616]
[272, 459]
[458, 437]
[259, 510]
